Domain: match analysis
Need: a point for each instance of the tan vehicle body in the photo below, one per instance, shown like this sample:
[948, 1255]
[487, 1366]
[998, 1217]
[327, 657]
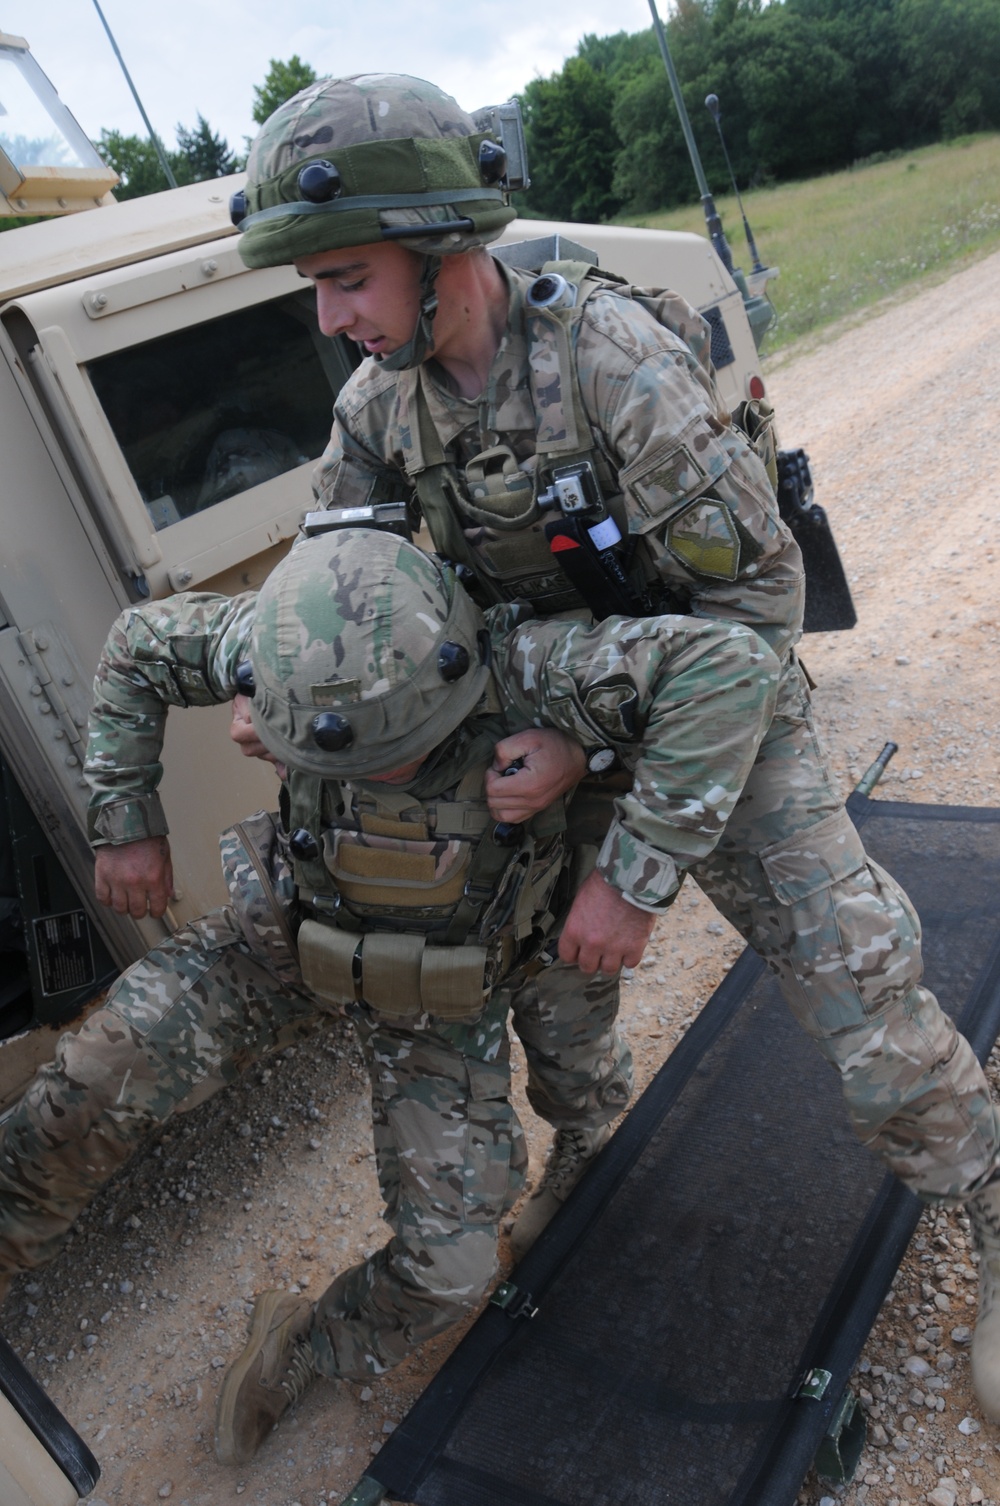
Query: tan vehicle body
[107, 320]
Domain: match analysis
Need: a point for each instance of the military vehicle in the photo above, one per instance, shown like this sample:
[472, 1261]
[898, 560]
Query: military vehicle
[161, 410]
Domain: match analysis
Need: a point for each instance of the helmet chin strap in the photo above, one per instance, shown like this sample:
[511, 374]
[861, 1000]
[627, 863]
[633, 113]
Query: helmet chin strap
[421, 342]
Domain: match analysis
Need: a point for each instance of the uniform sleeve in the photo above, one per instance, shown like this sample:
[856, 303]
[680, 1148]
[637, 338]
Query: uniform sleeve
[693, 488]
[684, 704]
[182, 651]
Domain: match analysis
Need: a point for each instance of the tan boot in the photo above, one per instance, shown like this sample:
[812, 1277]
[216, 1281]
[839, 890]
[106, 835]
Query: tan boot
[270, 1375]
[984, 1215]
[570, 1154]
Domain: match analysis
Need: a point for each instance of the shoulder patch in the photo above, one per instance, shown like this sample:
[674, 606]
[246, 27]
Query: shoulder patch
[703, 536]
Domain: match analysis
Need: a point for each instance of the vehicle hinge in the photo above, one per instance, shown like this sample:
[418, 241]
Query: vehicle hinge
[514, 1302]
[813, 1388]
[50, 672]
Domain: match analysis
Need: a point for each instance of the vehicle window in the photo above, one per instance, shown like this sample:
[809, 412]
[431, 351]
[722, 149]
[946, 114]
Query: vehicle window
[212, 410]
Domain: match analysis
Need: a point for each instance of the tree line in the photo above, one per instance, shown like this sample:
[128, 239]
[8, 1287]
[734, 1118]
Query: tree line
[805, 87]
[201, 152]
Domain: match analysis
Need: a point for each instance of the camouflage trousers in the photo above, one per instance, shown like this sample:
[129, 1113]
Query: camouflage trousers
[792, 875]
[200, 1009]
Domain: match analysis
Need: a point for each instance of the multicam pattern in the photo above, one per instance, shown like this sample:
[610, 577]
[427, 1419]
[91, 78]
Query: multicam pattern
[201, 1008]
[684, 703]
[404, 154]
[651, 407]
[678, 700]
[787, 871]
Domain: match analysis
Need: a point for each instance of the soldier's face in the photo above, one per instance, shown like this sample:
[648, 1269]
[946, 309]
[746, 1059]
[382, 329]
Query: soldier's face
[369, 293]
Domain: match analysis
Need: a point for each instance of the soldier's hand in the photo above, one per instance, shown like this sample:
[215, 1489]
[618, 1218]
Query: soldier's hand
[136, 878]
[551, 763]
[241, 730]
[603, 932]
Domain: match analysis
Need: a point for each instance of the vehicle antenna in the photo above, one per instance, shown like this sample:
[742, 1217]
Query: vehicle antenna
[712, 220]
[713, 108]
[157, 143]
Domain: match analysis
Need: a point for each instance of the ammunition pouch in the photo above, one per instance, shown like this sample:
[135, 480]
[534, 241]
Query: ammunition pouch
[399, 975]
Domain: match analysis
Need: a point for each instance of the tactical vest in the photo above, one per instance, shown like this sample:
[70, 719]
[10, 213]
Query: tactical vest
[409, 905]
[515, 560]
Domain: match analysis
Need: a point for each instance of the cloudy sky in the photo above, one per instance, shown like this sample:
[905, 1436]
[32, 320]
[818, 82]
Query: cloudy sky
[187, 56]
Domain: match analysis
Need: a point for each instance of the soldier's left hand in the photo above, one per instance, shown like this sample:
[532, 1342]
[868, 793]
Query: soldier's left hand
[551, 764]
[603, 932]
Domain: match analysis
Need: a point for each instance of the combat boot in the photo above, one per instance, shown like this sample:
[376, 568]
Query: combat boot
[984, 1215]
[270, 1375]
[571, 1152]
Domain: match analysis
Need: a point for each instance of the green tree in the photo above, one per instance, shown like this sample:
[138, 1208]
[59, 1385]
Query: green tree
[283, 81]
[866, 33]
[135, 161]
[951, 51]
[798, 90]
[571, 143]
[653, 169]
[201, 154]
[206, 154]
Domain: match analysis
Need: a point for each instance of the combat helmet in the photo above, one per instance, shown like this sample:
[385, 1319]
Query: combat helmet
[374, 157]
[377, 156]
[366, 654]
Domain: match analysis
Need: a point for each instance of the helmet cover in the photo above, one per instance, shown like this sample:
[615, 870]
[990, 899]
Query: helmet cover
[362, 625]
[387, 151]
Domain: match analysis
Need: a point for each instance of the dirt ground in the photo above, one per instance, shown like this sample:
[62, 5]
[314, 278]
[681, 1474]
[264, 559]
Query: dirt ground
[271, 1184]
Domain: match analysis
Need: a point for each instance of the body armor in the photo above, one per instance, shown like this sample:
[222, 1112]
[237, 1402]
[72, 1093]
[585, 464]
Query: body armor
[408, 904]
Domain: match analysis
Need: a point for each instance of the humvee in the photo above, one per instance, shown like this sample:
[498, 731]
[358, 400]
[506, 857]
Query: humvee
[161, 411]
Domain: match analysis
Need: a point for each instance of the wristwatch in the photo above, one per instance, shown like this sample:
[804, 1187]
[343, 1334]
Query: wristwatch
[601, 760]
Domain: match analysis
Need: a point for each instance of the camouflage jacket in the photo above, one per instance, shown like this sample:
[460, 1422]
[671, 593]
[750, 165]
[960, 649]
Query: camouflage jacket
[655, 416]
[684, 705]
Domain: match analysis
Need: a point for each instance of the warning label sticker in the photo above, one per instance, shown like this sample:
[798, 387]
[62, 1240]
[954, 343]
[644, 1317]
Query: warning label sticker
[65, 954]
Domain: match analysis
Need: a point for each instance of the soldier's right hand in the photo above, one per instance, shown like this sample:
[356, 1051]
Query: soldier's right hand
[244, 734]
[136, 878]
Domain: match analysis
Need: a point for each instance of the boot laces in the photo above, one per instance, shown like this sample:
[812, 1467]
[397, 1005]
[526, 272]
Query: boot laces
[571, 1150]
[300, 1370]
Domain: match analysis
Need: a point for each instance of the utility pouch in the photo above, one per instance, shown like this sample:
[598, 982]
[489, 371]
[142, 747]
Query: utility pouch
[378, 876]
[262, 891]
[756, 419]
[398, 976]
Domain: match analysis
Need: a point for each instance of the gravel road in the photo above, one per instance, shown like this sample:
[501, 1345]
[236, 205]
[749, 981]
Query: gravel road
[272, 1183]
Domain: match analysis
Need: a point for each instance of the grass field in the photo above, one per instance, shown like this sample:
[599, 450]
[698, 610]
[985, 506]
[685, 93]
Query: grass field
[844, 241]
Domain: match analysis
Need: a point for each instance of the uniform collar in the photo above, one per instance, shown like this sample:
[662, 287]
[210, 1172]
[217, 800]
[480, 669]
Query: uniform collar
[505, 406]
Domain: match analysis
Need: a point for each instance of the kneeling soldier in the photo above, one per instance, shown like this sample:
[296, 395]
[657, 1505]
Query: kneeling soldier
[386, 889]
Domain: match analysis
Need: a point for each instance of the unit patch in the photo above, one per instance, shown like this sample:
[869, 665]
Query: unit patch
[705, 538]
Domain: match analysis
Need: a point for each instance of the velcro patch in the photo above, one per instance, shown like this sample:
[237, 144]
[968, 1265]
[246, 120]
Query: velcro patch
[704, 538]
[340, 693]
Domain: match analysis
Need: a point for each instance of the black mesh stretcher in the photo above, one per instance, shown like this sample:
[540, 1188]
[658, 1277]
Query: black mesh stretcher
[702, 1298]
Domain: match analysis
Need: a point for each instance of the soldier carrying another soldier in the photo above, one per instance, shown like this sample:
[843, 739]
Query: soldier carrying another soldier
[388, 889]
[563, 439]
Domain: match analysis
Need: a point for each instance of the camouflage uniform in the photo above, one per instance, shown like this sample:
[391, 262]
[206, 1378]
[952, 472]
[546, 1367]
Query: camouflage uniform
[227, 989]
[790, 871]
